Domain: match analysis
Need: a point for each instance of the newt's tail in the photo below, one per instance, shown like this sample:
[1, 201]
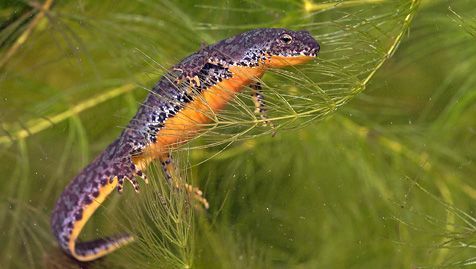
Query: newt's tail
[82, 197]
[91, 250]
[73, 210]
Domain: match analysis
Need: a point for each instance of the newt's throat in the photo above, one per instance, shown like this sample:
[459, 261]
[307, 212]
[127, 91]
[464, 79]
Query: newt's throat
[283, 61]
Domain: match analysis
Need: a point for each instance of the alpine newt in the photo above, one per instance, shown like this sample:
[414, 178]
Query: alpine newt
[180, 103]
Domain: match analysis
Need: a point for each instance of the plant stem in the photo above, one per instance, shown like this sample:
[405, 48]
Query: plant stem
[23, 37]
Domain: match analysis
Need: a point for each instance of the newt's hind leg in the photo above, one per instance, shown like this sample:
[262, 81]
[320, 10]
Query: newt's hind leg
[169, 172]
[260, 105]
[127, 170]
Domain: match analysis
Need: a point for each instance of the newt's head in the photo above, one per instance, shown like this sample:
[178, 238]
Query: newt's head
[290, 47]
[271, 47]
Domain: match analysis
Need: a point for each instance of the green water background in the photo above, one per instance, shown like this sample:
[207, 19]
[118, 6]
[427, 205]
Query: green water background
[373, 164]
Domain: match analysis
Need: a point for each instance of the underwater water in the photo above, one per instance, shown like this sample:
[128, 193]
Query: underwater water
[372, 164]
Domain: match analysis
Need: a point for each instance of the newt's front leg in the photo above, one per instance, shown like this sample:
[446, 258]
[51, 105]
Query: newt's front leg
[172, 178]
[260, 105]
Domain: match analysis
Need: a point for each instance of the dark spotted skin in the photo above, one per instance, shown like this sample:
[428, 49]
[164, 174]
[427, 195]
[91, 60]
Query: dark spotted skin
[179, 87]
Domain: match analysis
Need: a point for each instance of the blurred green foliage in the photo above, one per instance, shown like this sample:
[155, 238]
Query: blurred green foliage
[386, 180]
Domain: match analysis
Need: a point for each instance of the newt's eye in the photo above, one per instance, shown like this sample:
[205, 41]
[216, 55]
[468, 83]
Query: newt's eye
[286, 39]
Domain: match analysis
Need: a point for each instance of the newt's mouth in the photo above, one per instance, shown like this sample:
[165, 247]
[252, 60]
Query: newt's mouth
[293, 58]
[314, 51]
[311, 52]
